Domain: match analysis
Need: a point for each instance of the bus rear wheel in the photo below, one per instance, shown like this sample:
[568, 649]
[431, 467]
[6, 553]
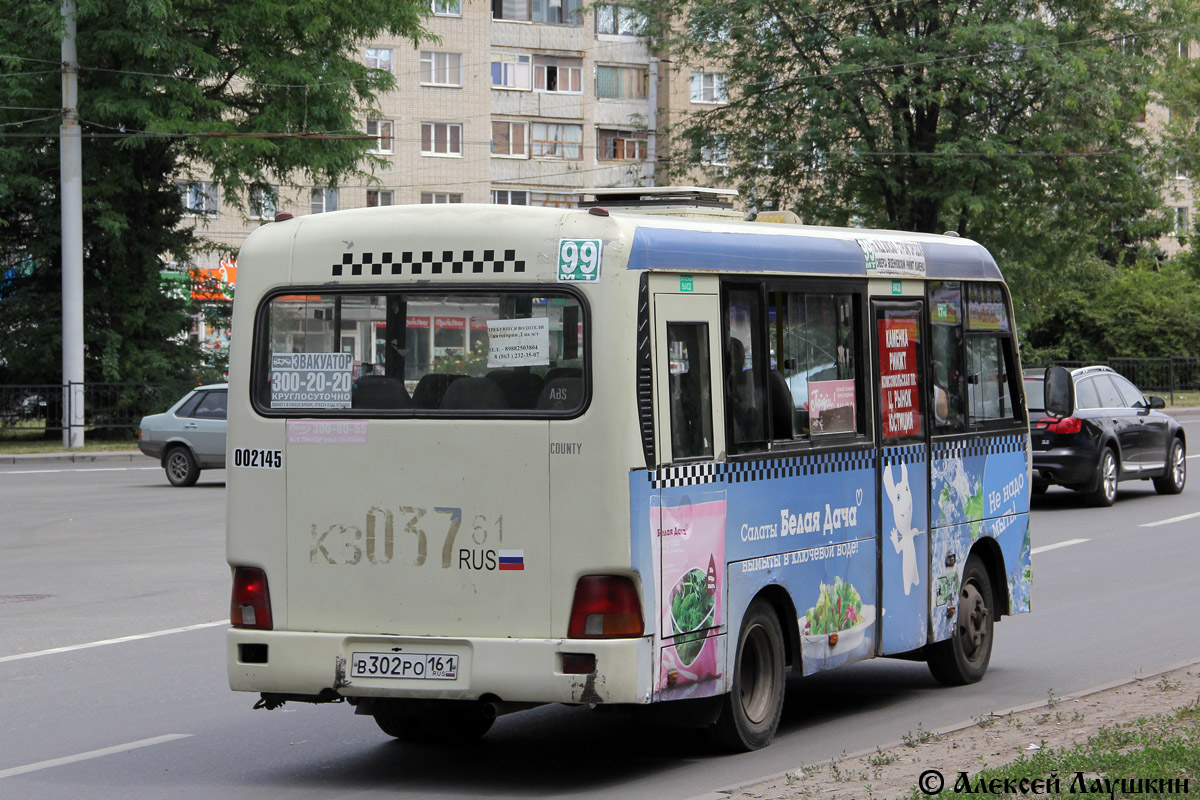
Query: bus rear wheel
[964, 657]
[750, 712]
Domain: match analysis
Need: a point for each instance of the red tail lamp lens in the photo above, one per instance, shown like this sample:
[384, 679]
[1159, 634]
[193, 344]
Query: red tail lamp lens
[1066, 425]
[251, 603]
[605, 607]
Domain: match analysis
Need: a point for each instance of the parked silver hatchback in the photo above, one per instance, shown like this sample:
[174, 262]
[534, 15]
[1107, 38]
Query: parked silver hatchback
[190, 436]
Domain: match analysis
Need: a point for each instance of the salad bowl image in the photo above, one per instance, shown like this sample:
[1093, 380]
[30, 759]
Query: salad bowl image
[692, 609]
[837, 624]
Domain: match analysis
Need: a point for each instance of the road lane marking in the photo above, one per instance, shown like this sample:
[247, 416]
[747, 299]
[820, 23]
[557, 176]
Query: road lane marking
[107, 751]
[1169, 521]
[135, 637]
[79, 469]
[1056, 545]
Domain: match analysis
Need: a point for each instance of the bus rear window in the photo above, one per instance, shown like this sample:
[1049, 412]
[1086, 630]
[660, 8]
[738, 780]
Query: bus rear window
[424, 354]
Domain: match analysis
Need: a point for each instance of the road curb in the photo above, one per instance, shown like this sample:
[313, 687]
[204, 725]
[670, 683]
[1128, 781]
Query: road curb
[724, 794]
[74, 458]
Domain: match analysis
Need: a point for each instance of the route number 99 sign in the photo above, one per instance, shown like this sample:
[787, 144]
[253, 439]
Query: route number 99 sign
[579, 260]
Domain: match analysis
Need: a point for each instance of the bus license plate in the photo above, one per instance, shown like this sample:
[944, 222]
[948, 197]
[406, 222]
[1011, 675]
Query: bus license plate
[419, 666]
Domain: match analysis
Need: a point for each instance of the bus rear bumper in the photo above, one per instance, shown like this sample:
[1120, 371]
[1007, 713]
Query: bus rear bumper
[506, 670]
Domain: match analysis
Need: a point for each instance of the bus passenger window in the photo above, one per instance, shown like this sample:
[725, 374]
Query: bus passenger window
[691, 395]
[990, 362]
[946, 362]
[745, 402]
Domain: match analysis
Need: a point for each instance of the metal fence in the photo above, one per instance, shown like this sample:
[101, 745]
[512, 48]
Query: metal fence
[44, 407]
[1151, 375]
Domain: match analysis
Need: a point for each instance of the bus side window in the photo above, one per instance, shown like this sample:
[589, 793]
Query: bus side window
[745, 399]
[991, 365]
[947, 355]
[691, 396]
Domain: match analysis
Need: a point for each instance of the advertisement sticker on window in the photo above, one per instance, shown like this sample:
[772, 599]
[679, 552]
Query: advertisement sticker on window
[518, 342]
[311, 380]
[898, 378]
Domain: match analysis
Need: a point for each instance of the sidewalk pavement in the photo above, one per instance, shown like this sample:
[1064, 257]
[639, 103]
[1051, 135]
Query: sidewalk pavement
[76, 458]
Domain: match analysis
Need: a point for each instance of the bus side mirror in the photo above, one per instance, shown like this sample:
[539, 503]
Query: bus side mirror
[1059, 391]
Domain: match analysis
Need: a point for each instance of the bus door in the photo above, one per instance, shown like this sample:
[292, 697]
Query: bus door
[902, 472]
[688, 508]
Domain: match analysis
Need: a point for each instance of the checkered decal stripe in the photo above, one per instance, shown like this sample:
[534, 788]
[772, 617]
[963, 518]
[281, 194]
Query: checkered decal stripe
[963, 448]
[912, 454]
[761, 469]
[430, 262]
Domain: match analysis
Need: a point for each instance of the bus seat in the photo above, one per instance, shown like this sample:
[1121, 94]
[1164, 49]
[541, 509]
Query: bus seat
[521, 388]
[561, 394]
[379, 391]
[474, 393]
[432, 388]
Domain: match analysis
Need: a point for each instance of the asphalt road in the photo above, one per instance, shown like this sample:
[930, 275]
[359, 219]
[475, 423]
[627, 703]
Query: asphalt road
[89, 554]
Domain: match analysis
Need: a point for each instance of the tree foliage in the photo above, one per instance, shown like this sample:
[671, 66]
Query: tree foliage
[168, 89]
[1018, 123]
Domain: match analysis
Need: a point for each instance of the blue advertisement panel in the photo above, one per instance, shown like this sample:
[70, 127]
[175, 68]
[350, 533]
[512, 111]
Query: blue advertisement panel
[904, 549]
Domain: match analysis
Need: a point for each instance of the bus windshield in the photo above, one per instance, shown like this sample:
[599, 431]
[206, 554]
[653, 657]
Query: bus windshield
[421, 353]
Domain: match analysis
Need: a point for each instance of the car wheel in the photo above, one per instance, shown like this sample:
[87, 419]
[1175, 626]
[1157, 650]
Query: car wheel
[750, 712]
[964, 657]
[1176, 476]
[180, 466]
[1105, 491]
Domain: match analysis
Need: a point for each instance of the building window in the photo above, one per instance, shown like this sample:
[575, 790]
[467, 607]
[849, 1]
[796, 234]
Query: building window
[508, 197]
[1182, 229]
[622, 83]
[441, 197]
[200, 198]
[263, 202]
[563, 75]
[511, 71]
[1185, 48]
[381, 129]
[379, 58]
[709, 87]
[552, 200]
[510, 139]
[441, 139]
[557, 12]
[447, 8]
[614, 145]
[516, 10]
[715, 153]
[379, 197]
[619, 20]
[553, 140]
[324, 200]
[441, 69]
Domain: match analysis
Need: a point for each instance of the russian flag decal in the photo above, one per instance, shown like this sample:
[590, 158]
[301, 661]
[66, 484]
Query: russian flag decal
[512, 559]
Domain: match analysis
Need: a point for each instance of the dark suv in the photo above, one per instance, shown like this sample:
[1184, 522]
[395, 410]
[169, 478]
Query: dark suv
[1112, 433]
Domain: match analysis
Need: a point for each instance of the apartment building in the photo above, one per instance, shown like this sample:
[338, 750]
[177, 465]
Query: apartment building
[519, 101]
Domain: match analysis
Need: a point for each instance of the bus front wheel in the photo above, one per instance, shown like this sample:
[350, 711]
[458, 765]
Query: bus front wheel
[963, 658]
[750, 712]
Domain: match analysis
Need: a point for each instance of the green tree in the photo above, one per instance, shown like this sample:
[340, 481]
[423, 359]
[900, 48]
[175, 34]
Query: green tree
[249, 94]
[1014, 122]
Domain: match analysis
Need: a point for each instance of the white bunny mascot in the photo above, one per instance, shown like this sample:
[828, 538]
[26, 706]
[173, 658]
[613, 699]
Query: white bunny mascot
[904, 534]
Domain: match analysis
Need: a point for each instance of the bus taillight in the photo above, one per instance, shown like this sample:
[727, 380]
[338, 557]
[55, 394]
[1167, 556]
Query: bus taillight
[251, 603]
[605, 607]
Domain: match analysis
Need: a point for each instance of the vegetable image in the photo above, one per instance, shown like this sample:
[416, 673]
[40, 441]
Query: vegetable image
[691, 609]
[838, 608]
